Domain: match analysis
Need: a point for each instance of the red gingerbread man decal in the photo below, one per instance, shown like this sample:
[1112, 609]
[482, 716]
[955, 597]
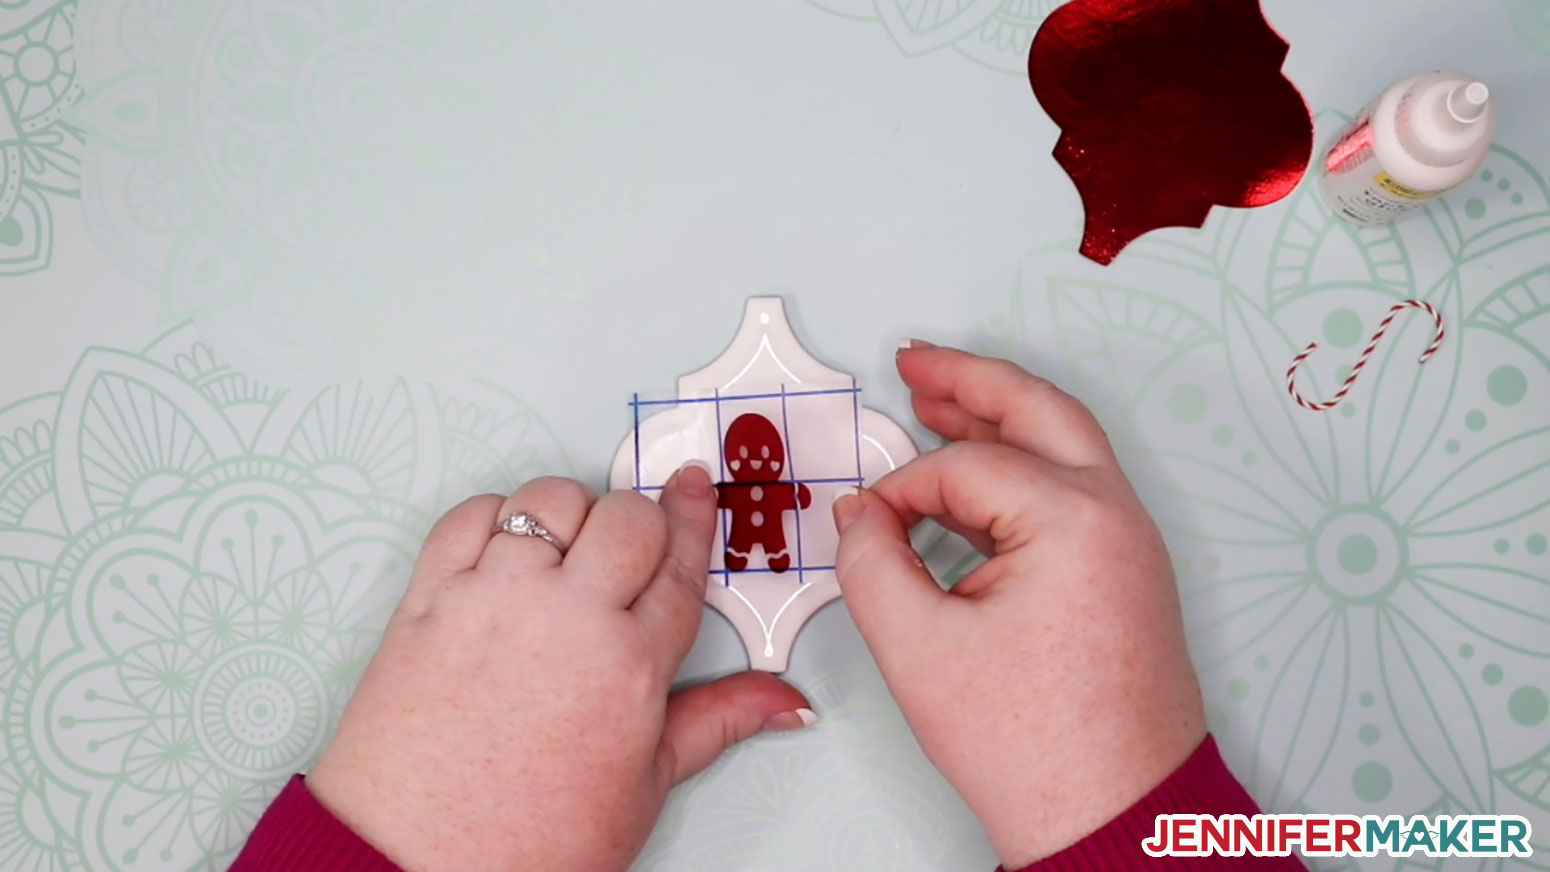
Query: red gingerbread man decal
[756, 495]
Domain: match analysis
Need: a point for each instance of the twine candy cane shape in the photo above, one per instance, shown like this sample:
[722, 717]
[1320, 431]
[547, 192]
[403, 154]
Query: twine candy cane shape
[1372, 345]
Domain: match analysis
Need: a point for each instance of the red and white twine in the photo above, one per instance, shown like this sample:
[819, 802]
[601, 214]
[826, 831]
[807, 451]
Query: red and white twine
[1372, 345]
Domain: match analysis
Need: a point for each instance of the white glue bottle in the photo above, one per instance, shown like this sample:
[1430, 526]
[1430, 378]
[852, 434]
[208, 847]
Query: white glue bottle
[1422, 136]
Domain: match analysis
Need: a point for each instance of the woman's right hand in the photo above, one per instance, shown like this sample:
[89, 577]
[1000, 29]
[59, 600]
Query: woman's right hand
[1051, 686]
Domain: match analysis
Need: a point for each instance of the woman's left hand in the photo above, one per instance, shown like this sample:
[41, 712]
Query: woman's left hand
[517, 714]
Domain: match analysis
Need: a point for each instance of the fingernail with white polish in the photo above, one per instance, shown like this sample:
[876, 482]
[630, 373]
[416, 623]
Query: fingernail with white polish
[802, 717]
[693, 484]
[847, 507]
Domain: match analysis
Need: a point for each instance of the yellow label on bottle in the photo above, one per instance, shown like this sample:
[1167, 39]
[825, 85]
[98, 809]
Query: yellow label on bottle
[1404, 192]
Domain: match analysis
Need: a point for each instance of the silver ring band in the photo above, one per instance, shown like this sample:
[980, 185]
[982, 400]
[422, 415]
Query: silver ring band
[525, 524]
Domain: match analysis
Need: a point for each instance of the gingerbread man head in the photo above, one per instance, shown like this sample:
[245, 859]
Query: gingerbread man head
[753, 448]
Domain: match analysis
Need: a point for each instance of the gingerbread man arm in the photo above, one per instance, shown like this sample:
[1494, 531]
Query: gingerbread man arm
[804, 496]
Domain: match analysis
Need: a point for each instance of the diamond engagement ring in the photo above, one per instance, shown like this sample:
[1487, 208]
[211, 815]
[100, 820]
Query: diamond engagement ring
[524, 524]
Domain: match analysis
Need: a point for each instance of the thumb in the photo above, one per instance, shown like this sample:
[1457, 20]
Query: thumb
[891, 595]
[704, 721]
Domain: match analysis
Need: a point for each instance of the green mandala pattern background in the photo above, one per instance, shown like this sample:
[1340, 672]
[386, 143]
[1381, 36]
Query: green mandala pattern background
[1531, 18]
[993, 33]
[282, 171]
[194, 569]
[40, 150]
[997, 33]
[201, 538]
[1367, 591]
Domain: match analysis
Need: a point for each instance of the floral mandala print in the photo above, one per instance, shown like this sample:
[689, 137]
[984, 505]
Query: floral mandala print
[197, 569]
[1531, 20]
[992, 33]
[1367, 591]
[40, 152]
[288, 174]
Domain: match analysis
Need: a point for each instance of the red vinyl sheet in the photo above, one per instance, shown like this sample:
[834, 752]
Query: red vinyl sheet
[1168, 107]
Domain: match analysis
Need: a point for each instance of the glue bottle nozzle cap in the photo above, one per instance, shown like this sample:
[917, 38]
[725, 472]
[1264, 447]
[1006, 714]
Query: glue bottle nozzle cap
[1467, 103]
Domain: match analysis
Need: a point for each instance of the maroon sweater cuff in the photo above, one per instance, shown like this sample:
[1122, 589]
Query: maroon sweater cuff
[298, 834]
[1203, 785]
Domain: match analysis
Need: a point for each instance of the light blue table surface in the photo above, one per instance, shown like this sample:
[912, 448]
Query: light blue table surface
[283, 279]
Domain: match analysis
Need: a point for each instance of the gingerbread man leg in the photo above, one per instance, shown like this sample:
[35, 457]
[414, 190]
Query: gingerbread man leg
[742, 535]
[778, 500]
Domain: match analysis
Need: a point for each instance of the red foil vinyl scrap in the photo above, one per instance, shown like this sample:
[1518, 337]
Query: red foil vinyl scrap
[1166, 108]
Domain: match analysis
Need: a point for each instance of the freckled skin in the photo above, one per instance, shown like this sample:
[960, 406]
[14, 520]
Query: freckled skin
[518, 715]
[756, 495]
[1068, 636]
[519, 712]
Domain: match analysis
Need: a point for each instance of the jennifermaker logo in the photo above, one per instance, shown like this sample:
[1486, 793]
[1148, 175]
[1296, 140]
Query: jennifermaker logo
[1275, 835]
